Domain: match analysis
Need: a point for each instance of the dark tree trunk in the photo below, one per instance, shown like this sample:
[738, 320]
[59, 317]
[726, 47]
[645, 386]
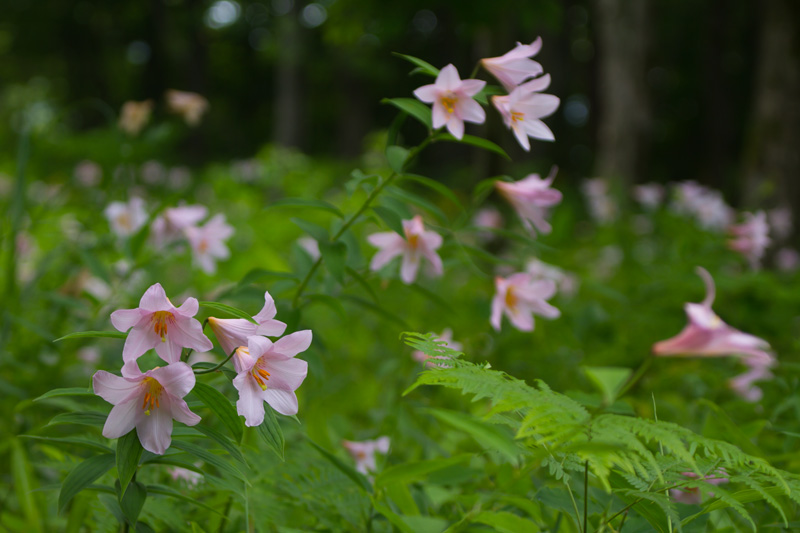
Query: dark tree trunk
[288, 116]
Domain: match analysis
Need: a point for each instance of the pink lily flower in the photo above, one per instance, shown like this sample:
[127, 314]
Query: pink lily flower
[519, 297]
[650, 195]
[233, 332]
[268, 372]
[190, 106]
[742, 384]
[707, 335]
[692, 496]
[158, 324]
[191, 477]
[447, 338]
[531, 197]
[126, 218]
[524, 106]
[364, 452]
[417, 243]
[751, 238]
[452, 101]
[173, 222]
[515, 66]
[149, 402]
[207, 242]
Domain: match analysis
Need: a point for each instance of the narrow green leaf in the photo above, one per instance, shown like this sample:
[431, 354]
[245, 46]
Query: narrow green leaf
[363, 282]
[397, 156]
[487, 91]
[475, 141]
[93, 335]
[334, 255]
[413, 107]
[390, 218]
[228, 309]
[506, 522]
[414, 199]
[377, 309]
[319, 233]
[223, 441]
[111, 504]
[73, 391]
[487, 435]
[303, 202]
[328, 301]
[82, 476]
[424, 66]
[210, 458]
[163, 490]
[129, 451]
[271, 432]
[23, 485]
[357, 477]
[72, 440]
[85, 418]
[608, 380]
[435, 186]
[142, 527]
[222, 407]
[395, 519]
[260, 274]
[416, 471]
[132, 501]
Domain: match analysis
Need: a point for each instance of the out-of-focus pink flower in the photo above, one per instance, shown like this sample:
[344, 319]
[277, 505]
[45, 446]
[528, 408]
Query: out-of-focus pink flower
[519, 297]
[524, 106]
[134, 116]
[707, 335]
[149, 402]
[158, 324]
[417, 243]
[208, 242]
[126, 218]
[742, 384]
[364, 452]
[233, 332]
[452, 101]
[787, 259]
[487, 217]
[751, 238]
[602, 207]
[268, 372]
[650, 195]
[447, 338]
[89, 355]
[566, 283]
[310, 246]
[190, 477]
[173, 222]
[692, 496]
[179, 177]
[153, 172]
[780, 220]
[531, 197]
[190, 106]
[515, 66]
[88, 173]
[706, 205]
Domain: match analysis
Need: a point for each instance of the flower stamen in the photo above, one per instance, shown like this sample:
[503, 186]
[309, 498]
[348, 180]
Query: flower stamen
[449, 103]
[511, 298]
[260, 375]
[160, 320]
[151, 397]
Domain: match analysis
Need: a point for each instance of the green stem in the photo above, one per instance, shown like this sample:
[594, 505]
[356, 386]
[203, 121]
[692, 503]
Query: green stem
[208, 371]
[586, 497]
[634, 379]
[475, 70]
[228, 506]
[575, 507]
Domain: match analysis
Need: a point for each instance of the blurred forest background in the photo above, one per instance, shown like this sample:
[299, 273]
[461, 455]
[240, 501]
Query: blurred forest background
[651, 90]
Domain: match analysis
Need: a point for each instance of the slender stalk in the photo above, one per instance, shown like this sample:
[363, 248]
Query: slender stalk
[586, 496]
[222, 523]
[208, 371]
[634, 379]
[575, 508]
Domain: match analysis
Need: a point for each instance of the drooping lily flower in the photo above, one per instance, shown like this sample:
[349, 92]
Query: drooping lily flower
[190, 106]
[208, 242]
[158, 324]
[524, 106]
[742, 384]
[429, 360]
[692, 496]
[126, 218]
[268, 372]
[531, 197]
[515, 66]
[417, 243]
[233, 332]
[149, 402]
[751, 238]
[173, 222]
[519, 297]
[134, 116]
[364, 452]
[707, 335]
[452, 101]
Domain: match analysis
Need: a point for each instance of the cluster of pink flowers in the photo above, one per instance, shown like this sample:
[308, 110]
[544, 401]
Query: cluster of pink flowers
[151, 400]
[706, 205]
[707, 335]
[751, 238]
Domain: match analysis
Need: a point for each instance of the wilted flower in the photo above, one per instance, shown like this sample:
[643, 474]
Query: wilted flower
[208, 242]
[515, 66]
[692, 496]
[173, 222]
[268, 372]
[158, 324]
[602, 206]
[364, 452]
[88, 173]
[190, 106]
[531, 197]
[447, 338]
[707, 335]
[417, 243]
[233, 332]
[519, 297]
[452, 101]
[650, 195]
[522, 109]
[149, 402]
[126, 218]
[751, 238]
[134, 116]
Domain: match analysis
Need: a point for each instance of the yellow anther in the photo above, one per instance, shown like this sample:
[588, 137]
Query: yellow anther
[511, 298]
[516, 116]
[160, 321]
[449, 103]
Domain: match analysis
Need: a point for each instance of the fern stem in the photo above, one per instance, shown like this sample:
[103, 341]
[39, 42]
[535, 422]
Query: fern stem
[586, 497]
[575, 508]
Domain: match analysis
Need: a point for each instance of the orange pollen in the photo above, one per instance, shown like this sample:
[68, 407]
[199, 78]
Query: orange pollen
[511, 298]
[203, 246]
[449, 103]
[152, 395]
[516, 116]
[160, 320]
[124, 220]
[260, 375]
[413, 240]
